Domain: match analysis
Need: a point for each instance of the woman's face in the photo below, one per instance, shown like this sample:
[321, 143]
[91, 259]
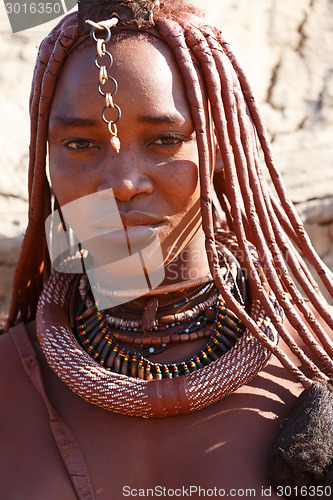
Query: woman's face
[154, 177]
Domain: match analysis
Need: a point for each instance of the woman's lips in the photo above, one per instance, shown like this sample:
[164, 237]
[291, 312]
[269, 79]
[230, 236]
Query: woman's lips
[116, 240]
[128, 219]
[119, 243]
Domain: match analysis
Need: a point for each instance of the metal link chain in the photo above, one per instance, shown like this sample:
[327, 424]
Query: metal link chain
[104, 77]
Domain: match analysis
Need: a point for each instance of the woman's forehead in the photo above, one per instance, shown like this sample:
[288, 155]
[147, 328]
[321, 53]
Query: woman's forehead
[134, 57]
[145, 69]
[126, 47]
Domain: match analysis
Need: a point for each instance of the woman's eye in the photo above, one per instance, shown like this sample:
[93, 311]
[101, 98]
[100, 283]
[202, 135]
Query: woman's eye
[80, 144]
[169, 140]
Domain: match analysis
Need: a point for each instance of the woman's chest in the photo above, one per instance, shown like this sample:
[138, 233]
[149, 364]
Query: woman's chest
[225, 447]
[215, 450]
[221, 448]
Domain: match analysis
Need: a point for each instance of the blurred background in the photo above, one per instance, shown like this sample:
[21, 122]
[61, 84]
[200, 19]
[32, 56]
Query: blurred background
[287, 48]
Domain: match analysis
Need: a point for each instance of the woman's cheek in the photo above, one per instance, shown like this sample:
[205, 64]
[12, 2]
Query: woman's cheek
[187, 182]
[179, 177]
[70, 180]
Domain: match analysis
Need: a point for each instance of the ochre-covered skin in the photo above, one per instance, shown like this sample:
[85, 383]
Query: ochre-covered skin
[250, 210]
[155, 175]
[162, 177]
[226, 445]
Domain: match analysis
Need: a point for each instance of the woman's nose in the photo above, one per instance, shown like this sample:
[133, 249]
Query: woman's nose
[127, 187]
[126, 180]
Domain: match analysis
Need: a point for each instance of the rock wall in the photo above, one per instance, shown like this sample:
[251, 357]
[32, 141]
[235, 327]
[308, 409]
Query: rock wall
[287, 48]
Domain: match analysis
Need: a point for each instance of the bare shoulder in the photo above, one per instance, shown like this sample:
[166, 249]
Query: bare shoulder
[10, 366]
[16, 387]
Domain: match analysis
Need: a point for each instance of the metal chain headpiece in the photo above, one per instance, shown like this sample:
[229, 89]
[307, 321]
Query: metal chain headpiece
[104, 77]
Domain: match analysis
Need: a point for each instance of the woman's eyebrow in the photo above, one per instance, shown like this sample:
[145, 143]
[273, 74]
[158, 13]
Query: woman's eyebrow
[165, 118]
[69, 121]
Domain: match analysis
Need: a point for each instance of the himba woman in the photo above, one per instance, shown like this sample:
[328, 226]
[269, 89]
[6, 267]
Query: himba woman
[110, 388]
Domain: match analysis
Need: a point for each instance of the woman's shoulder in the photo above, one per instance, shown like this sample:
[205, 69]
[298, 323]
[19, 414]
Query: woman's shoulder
[30, 463]
[17, 358]
[11, 370]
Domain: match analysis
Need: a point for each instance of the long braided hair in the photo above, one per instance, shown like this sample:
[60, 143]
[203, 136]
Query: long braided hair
[252, 211]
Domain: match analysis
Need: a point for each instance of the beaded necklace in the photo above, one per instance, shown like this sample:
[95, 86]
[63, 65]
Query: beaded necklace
[161, 323]
[93, 331]
[164, 322]
[96, 338]
[98, 335]
[174, 305]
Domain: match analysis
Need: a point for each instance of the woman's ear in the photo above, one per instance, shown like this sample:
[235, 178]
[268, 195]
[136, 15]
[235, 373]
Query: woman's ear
[218, 159]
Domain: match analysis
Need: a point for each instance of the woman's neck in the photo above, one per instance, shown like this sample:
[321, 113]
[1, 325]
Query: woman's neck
[186, 271]
[190, 264]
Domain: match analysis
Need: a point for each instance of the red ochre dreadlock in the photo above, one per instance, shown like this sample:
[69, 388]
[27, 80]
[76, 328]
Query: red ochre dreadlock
[251, 210]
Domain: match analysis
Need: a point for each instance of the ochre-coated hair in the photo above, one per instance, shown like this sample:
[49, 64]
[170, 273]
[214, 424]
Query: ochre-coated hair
[252, 212]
